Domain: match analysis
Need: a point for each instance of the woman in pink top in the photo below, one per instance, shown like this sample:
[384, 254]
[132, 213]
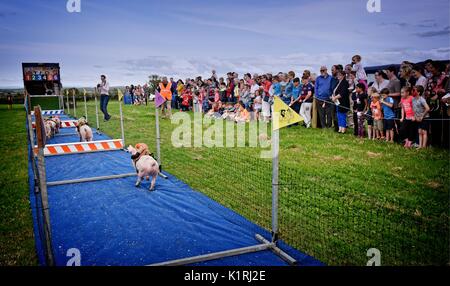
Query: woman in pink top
[408, 119]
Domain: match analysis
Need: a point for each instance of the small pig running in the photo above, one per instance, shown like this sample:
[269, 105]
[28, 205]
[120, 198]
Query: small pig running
[84, 130]
[145, 165]
[50, 127]
[57, 121]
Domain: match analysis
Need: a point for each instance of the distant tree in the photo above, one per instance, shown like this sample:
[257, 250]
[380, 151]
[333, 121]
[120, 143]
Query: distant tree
[153, 83]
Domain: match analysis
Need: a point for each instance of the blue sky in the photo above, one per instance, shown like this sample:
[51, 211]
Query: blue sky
[129, 40]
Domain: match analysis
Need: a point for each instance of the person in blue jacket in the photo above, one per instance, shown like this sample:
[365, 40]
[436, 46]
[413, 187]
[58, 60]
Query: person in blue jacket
[323, 94]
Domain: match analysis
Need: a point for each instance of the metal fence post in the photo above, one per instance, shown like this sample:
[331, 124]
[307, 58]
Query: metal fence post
[275, 182]
[31, 137]
[85, 107]
[68, 104]
[96, 113]
[121, 123]
[62, 100]
[158, 143]
[74, 104]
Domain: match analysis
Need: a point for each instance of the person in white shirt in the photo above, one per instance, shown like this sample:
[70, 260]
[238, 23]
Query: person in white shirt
[381, 81]
[418, 75]
[103, 88]
[254, 89]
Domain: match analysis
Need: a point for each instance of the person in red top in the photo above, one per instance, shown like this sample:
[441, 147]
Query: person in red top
[186, 100]
[266, 84]
[229, 91]
[407, 120]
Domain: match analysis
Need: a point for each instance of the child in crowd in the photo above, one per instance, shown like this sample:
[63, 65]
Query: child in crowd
[387, 104]
[257, 104]
[223, 92]
[202, 98]
[246, 96]
[243, 114]
[359, 68]
[296, 95]
[236, 89]
[180, 89]
[186, 99]
[266, 98]
[360, 107]
[275, 89]
[217, 96]
[214, 112]
[407, 120]
[377, 115]
[421, 110]
[283, 84]
[196, 101]
[370, 129]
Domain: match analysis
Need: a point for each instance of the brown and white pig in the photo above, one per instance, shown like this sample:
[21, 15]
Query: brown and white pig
[84, 130]
[57, 121]
[146, 166]
[50, 127]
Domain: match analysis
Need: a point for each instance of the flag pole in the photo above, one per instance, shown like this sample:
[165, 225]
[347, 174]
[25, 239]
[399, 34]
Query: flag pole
[275, 176]
[283, 116]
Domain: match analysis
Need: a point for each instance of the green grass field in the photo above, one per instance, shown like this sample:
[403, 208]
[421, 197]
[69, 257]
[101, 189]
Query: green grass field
[16, 228]
[339, 196]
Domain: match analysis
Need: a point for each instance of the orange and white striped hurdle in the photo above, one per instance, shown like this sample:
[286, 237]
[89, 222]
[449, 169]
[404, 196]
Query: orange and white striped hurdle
[64, 124]
[81, 147]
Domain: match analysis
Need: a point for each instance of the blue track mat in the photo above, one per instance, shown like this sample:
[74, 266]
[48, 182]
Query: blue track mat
[114, 223]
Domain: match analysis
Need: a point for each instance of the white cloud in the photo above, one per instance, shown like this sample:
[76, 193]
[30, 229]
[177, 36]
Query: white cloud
[136, 71]
[180, 67]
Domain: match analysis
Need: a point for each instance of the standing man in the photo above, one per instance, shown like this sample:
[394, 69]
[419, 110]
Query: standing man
[323, 98]
[334, 83]
[165, 89]
[394, 87]
[103, 89]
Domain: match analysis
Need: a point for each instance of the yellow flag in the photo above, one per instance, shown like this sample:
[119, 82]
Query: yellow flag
[84, 91]
[120, 94]
[283, 115]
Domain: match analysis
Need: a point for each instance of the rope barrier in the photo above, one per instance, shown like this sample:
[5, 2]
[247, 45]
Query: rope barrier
[368, 115]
